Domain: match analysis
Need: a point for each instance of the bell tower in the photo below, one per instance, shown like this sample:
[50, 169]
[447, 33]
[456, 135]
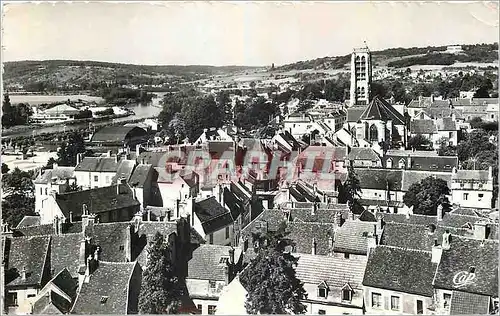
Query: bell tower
[361, 76]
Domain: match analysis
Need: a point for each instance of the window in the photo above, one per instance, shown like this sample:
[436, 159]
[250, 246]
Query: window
[395, 303]
[96, 178]
[211, 309]
[346, 295]
[227, 232]
[461, 185]
[346, 255]
[480, 196]
[104, 299]
[245, 245]
[466, 196]
[12, 299]
[420, 307]
[200, 308]
[211, 238]
[31, 295]
[212, 284]
[321, 312]
[376, 300]
[446, 300]
[122, 247]
[480, 185]
[322, 292]
[224, 260]
[45, 191]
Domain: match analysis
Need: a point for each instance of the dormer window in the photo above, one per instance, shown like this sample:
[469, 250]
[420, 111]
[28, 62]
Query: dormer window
[323, 290]
[104, 299]
[467, 226]
[472, 269]
[347, 292]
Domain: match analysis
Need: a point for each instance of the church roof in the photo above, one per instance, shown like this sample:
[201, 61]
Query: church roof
[379, 109]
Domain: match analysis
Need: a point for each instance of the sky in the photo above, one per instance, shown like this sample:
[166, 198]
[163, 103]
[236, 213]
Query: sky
[235, 33]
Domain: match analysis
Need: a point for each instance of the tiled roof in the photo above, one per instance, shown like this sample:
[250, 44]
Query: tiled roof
[401, 270]
[98, 164]
[116, 133]
[379, 178]
[110, 280]
[29, 253]
[65, 252]
[423, 127]
[212, 215]
[463, 254]
[352, 237]
[140, 175]
[446, 124]
[463, 303]
[206, 264]
[152, 158]
[471, 175]
[62, 109]
[303, 234]
[97, 200]
[61, 173]
[361, 153]
[415, 219]
[124, 170]
[28, 221]
[379, 109]
[334, 271]
[413, 176]
[47, 229]
[440, 111]
[111, 238]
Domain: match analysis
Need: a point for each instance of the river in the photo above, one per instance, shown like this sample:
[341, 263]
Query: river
[151, 109]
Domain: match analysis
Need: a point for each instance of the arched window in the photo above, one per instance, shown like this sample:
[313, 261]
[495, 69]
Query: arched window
[363, 59]
[389, 163]
[357, 58]
[402, 163]
[373, 133]
[362, 92]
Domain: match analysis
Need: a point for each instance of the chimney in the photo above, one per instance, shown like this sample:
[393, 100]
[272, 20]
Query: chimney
[231, 256]
[23, 273]
[118, 187]
[437, 251]
[78, 158]
[55, 225]
[480, 230]
[117, 158]
[409, 162]
[313, 208]
[109, 153]
[227, 274]
[128, 243]
[440, 212]
[96, 253]
[432, 98]
[331, 243]
[380, 223]
[71, 217]
[490, 172]
[431, 228]
[169, 215]
[83, 250]
[446, 240]
[54, 165]
[178, 211]
[313, 248]
[137, 150]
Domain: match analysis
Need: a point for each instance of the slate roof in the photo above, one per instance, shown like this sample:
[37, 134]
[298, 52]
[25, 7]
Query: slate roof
[116, 133]
[463, 303]
[97, 200]
[47, 229]
[380, 109]
[98, 164]
[471, 175]
[65, 252]
[463, 254]
[62, 109]
[152, 158]
[425, 163]
[354, 113]
[287, 137]
[378, 178]
[64, 281]
[423, 127]
[212, 215]
[111, 238]
[111, 280]
[140, 175]
[413, 176]
[335, 271]
[440, 111]
[415, 219]
[218, 148]
[446, 124]
[361, 153]
[352, 237]
[28, 221]
[303, 234]
[205, 263]
[124, 170]
[29, 253]
[56, 305]
[401, 270]
[146, 232]
[61, 173]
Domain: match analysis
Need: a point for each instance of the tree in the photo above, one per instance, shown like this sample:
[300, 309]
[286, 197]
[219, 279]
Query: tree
[474, 142]
[161, 291]
[73, 187]
[445, 149]
[66, 156]
[201, 113]
[426, 195]
[177, 128]
[352, 187]
[7, 112]
[419, 142]
[270, 278]
[18, 196]
[5, 168]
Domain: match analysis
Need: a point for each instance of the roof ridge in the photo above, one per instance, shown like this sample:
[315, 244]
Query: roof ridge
[406, 249]
[27, 237]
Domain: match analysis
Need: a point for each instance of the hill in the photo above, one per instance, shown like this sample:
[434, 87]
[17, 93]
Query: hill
[405, 57]
[83, 75]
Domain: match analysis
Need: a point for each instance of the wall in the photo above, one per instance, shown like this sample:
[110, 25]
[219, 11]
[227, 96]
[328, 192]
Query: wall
[202, 294]
[23, 302]
[50, 210]
[219, 237]
[473, 199]
[315, 303]
[407, 302]
[170, 192]
[134, 287]
[86, 179]
[314, 307]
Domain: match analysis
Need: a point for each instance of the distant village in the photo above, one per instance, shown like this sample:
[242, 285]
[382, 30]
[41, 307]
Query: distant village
[380, 220]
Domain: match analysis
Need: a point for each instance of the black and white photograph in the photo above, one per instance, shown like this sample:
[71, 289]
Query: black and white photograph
[249, 157]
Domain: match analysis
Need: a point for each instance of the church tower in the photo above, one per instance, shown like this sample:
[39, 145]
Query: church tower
[361, 76]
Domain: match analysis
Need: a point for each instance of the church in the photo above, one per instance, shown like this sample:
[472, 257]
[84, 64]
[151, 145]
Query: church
[371, 118]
